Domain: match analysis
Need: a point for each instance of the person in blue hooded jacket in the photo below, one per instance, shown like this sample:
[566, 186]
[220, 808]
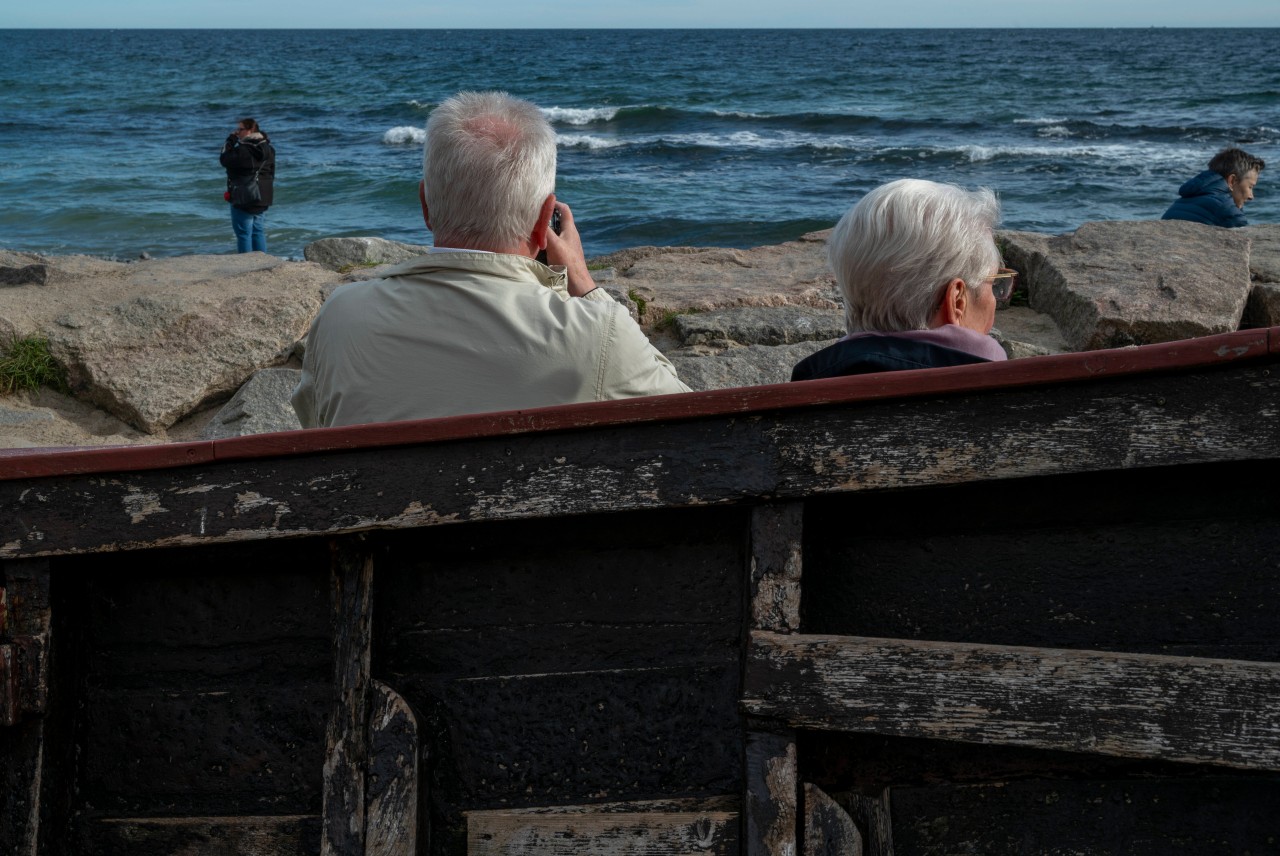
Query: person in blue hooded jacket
[1216, 197]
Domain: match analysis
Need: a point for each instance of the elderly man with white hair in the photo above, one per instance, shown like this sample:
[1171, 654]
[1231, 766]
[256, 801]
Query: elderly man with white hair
[918, 267]
[479, 324]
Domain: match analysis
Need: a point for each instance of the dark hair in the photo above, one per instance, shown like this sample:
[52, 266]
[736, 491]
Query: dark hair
[1237, 162]
[249, 124]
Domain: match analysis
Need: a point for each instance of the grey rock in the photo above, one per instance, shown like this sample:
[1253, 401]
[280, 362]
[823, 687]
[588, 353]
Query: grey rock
[1023, 332]
[752, 365]
[1113, 284]
[780, 325]
[33, 274]
[1264, 255]
[343, 254]
[261, 406]
[181, 342]
[674, 280]
[12, 416]
[1263, 308]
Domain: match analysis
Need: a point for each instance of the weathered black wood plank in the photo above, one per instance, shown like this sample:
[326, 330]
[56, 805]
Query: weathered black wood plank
[1209, 711]
[771, 795]
[25, 641]
[289, 835]
[828, 828]
[347, 734]
[776, 566]
[391, 779]
[1136, 817]
[1177, 560]
[646, 828]
[873, 817]
[1206, 415]
[529, 649]
[207, 678]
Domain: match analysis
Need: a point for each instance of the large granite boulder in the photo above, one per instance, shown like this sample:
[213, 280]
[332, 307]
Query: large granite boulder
[781, 325]
[345, 254]
[752, 365]
[1263, 308]
[1114, 284]
[675, 280]
[1264, 254]
[153, 341]
[261, 406]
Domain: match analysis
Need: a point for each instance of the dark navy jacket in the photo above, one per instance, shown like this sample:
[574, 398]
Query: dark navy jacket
[1206, 199]
[868, 354]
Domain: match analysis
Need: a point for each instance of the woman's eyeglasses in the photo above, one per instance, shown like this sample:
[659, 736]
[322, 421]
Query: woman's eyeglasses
[1002, 283]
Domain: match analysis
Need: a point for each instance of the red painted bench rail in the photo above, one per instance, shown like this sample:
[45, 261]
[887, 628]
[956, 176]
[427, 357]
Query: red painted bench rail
[1062, 368]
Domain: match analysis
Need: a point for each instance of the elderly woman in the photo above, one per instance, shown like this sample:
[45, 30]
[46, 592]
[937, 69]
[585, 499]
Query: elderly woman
[920, 274]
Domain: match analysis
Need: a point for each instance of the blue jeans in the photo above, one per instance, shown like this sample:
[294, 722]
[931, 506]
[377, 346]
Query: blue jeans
[250, 230]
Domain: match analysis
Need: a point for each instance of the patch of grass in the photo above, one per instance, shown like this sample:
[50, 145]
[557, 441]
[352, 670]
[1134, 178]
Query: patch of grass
[639, 301]
[594, 266]
[27, 364]
[669, 316]
[355, 265]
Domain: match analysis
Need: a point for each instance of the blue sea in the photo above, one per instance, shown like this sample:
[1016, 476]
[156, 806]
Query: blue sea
[725, 137]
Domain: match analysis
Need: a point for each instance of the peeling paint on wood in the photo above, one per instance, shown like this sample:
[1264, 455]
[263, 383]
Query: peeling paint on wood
[347, 735]
[648, 828]
[391, 777]
[1143, 706]
[287, 835]
[776, 566]
[771, 798]
[1161, 420]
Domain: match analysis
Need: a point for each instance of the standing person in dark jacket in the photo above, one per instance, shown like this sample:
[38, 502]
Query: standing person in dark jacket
[249, 159]
[1216, 196]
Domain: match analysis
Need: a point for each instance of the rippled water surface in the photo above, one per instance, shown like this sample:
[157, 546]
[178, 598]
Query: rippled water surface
[734, 137]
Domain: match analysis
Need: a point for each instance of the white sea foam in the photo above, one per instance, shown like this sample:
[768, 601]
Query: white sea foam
[739, 114]
[1042, 120]
[420, 105]
[579, 115]
[1113, 153]
[405, 135]
[1054, 131]
[588, 141]
[736, 140]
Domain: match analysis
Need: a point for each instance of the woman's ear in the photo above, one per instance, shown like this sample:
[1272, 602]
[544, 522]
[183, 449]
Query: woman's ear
[955, 302]
[422, 197]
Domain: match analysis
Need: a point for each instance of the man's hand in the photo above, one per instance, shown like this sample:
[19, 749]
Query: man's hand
[566, 249]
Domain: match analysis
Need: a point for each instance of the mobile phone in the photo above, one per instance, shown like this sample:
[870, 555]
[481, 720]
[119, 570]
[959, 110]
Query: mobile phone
[555, 227]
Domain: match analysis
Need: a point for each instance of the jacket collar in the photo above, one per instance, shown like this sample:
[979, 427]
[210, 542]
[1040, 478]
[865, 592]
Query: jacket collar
[499, 265]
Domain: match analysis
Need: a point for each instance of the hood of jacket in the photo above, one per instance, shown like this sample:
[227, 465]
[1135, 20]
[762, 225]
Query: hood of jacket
[1203, 184]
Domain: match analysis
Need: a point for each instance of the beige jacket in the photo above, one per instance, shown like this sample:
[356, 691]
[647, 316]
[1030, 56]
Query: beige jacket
[465, 332]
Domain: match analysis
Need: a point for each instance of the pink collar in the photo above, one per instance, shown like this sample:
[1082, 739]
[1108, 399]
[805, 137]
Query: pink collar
[951, 336]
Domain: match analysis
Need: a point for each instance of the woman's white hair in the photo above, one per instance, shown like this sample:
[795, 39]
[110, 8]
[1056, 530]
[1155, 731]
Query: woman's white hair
[488, 164]
[894, 250]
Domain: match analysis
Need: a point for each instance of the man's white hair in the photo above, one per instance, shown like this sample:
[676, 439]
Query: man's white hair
[488, 164]
[894, 250]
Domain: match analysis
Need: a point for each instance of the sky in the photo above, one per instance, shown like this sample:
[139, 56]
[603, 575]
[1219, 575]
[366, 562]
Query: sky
[568, 14]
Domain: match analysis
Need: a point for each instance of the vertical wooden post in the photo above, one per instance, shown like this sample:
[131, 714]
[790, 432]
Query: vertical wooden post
[776, 559]
[770, 805]
[347, 735]
[25, 636]
[391, 790]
